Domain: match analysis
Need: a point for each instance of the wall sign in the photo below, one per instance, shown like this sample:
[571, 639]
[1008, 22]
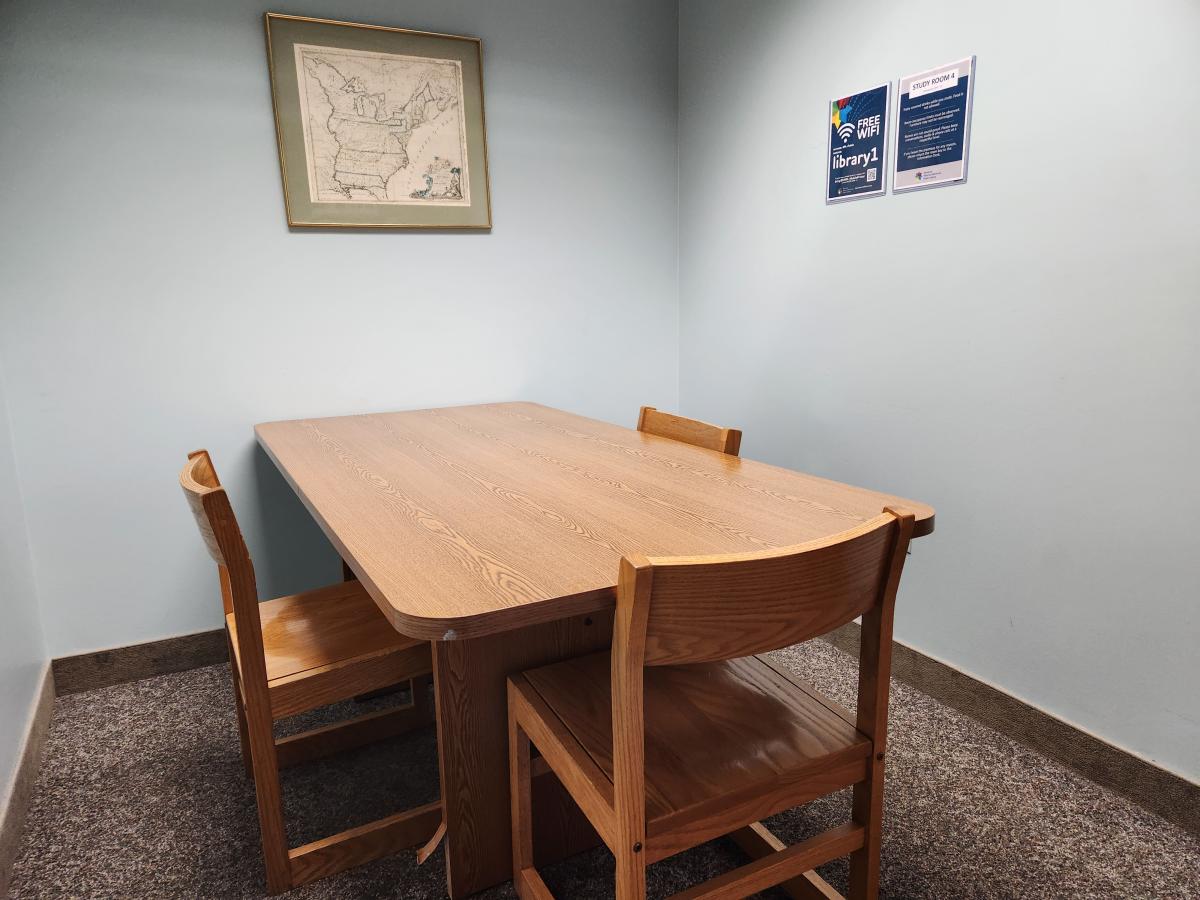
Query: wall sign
[857, 155]
[933, 126]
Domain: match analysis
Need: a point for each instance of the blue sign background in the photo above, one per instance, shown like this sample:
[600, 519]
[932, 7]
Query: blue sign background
[914, 117]
[856, 148]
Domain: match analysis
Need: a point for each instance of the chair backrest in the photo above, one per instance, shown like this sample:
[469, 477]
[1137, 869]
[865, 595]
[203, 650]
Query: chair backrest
[202, 488]
[706, 608]
[685, 610]
[690, 431]
[223, 538]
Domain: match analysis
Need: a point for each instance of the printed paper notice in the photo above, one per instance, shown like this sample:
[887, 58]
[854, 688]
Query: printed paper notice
[857, 145]
[933, 126]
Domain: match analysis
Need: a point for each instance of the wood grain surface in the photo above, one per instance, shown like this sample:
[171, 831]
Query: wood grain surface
[711, 730]
[322, 627]
[770, 870]
[757, 841]
[475, 520]
[470, 678]
[698, 739]
[737, 604]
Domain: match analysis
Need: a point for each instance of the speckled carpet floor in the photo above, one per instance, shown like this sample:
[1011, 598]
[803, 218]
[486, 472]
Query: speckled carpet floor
[142, 795]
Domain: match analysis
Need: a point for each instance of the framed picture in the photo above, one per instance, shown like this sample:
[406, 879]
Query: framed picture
[378, 127]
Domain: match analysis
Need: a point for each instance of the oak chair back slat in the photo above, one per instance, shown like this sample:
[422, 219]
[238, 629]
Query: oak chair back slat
[689, 431]
[711, 608]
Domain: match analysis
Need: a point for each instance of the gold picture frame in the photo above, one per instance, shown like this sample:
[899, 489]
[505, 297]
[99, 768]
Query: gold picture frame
[378, 127]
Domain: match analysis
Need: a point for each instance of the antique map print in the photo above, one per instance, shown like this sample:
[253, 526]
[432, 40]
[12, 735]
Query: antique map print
[381, 128]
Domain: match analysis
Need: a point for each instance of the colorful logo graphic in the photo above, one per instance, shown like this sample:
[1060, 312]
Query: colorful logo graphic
[840, 118]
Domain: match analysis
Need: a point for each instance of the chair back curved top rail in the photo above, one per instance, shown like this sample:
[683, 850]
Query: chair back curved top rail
[689, 431]
[708, 608]
[223, 538]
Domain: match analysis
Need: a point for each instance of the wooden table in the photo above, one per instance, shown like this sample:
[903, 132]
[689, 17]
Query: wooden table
[495, 531]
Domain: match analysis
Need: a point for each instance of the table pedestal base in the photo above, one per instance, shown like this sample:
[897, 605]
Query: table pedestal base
[472, 714]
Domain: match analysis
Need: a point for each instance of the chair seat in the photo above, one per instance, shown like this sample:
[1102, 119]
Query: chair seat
[335, 634]
[717, 735]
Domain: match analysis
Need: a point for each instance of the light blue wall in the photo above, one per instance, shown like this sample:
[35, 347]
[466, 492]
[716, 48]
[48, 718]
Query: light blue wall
[22, 648]
[155, 302]
[1040, 386]
[1022, 352]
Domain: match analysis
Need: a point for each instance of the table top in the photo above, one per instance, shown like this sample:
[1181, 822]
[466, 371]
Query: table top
[474, 520]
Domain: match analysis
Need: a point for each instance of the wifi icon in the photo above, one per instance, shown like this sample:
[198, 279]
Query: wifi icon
[845, 131]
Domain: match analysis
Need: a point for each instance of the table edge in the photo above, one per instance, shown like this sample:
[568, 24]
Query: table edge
[550, 609]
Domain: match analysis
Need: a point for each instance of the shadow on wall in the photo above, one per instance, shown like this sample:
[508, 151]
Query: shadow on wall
[289, 550]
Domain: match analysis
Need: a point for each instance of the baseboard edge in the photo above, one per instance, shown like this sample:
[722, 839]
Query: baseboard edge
[105, 668]
[1158, 790]
[16, 805]
[1155, 789]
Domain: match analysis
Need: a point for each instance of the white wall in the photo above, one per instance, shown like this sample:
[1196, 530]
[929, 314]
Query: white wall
[155, 302]
[1034, 373]
[22, 647]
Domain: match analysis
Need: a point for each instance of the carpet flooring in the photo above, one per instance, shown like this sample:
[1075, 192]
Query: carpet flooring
[142, 795]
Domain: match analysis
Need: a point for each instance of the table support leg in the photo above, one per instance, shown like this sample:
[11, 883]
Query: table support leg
[472, 715]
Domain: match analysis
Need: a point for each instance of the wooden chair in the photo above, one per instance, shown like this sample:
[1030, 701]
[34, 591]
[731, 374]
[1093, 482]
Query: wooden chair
[690, 431]
[294, 654]
[680, 735]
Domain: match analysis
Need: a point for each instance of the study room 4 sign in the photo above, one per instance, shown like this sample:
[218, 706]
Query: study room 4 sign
[933, 126]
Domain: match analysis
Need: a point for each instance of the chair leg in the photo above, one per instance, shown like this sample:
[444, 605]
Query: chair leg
[631, 875]
[868, 812]
[521, 800]
[243, 737]
[270, 799]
